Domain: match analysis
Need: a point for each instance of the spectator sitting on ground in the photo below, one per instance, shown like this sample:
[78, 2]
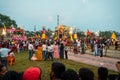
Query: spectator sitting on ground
[86, 74]
[3, 70]
[56, 70]
[115, 76]
[70, 75]
[34, 58]
[32, 73]
[102, 73]
[11, 75]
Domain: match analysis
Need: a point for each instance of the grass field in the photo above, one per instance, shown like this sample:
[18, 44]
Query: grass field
[23, 63]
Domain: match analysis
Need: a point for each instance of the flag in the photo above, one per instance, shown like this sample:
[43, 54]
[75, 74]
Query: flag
[71, 38]
[75, 36]
[113, 36]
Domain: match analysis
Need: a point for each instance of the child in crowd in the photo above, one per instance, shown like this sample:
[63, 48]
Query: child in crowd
[34, 58]
[11, 53]
[11, 56]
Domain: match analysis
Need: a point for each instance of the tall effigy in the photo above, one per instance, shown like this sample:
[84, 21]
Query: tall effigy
[61, 31]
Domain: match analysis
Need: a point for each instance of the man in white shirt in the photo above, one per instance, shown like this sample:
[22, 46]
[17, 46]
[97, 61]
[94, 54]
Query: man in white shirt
[44, 50]
[30, 50]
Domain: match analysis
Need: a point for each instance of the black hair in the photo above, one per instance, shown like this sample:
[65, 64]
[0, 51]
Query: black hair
[58, 68]
[103, 73]
[3, 45]
[11, 75]
[1, 66]
[20, 75]
[70, 74]
[113, 77]
[86, 74]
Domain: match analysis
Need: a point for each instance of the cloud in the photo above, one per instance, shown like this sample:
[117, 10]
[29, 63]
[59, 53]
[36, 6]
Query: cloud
[50, 19]
[84, 1]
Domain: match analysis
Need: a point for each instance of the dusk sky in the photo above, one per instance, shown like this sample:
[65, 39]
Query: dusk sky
[95, 15]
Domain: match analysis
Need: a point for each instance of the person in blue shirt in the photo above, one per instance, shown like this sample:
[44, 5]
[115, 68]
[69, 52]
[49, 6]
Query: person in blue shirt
[3, 55]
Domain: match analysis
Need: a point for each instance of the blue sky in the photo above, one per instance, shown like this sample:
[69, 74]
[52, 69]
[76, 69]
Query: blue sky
[84, 14]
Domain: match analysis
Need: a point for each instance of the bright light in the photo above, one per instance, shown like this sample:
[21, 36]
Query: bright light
[85, 34]
[70, 32]
[3, 32]
[53, 33]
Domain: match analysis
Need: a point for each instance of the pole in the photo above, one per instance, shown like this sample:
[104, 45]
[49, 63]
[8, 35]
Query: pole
[57, 20]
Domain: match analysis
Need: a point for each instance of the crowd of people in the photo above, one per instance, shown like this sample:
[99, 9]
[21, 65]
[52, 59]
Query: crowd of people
[58, 72]
[50, 49]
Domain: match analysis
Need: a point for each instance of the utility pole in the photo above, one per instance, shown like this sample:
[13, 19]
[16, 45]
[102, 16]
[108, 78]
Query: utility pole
[57, 20]
[34, 28]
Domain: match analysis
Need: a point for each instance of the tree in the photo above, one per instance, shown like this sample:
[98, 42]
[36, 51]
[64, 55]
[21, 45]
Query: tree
[5, 20]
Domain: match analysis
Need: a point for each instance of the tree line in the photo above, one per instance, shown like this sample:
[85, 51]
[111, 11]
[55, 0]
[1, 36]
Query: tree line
[9, 23]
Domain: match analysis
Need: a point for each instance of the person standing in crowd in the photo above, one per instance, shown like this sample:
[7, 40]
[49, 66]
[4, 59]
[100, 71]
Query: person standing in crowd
[18, 47]
[105, 48]
[49, 52]
[101, 49]
[44, 47]
[96, 51]
[116, 45]
[98, 48]
[52, 47]
[75, 47]
[57, 70]
[61, 51]
[92, 45]
[4, 54]
[36, 44]
[79, 45]
[30, 50]
[58, 48]
[66, 51]
[21, 46]
[39, 54]
[25, 45]
[83, 47]
[56, 54]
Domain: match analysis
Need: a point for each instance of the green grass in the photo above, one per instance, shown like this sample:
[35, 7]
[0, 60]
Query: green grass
[23, 63]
